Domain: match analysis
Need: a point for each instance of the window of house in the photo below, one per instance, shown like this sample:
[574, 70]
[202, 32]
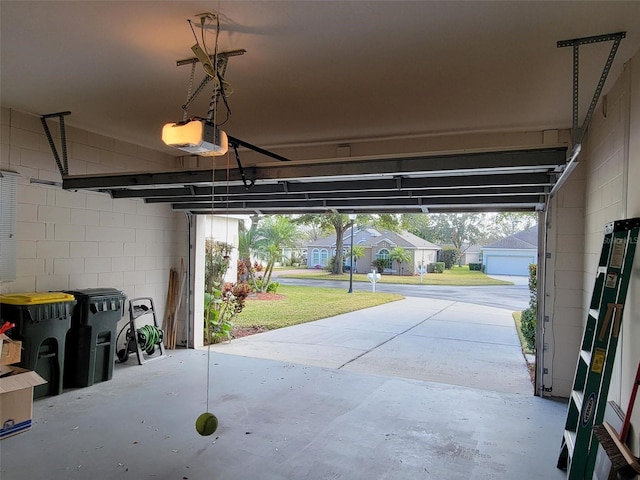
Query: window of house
[319, 257]
[324, 257]
[315, 257]
[383, 253]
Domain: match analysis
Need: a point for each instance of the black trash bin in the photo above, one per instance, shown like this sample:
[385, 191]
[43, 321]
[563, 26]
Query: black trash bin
[91, 341]
[42, 321]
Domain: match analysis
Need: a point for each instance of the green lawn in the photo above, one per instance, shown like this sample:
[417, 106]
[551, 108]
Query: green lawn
[304, 304]
[457, 276]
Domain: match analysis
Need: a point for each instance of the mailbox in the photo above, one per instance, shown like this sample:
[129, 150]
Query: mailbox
[373, 277]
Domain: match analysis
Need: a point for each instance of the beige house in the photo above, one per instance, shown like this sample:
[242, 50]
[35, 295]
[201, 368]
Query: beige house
[376, 245]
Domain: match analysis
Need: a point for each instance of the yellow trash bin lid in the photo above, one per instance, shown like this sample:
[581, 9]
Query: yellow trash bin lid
[35, 298]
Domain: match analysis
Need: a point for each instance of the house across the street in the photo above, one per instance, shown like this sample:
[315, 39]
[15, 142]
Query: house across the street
[375, 244]
[470, 254]
[512, 255]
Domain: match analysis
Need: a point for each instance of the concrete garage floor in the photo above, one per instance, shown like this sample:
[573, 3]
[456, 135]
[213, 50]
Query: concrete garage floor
[360, 415]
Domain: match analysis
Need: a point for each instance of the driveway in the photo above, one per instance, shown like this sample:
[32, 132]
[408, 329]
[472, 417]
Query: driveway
[418, 338]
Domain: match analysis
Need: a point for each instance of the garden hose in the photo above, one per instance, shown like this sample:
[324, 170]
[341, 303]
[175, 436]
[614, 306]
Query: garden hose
[149, 336]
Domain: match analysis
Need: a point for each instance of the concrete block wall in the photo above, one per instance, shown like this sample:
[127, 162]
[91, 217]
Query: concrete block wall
[631, 336]
[603, 188]
[75, 240]
[606, 186]
[607, 179]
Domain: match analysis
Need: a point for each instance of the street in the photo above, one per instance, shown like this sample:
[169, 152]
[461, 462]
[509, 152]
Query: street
[510, 297]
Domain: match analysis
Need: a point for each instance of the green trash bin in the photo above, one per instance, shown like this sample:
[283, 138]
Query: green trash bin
[42, 321]
[91, 341]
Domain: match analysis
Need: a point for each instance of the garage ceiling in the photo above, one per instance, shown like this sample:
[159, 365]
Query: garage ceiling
[381, 106]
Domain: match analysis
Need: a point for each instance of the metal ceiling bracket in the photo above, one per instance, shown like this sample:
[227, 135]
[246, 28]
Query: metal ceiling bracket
[237, 142]
[63, 165]
[579, 131]
[221, 68]
[247, 183]
[570, 166]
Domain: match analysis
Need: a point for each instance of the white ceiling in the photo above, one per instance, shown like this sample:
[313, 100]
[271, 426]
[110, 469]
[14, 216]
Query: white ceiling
[314, 72]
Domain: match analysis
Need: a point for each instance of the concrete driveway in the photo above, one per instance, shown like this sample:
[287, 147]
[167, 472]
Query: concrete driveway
[418, 338]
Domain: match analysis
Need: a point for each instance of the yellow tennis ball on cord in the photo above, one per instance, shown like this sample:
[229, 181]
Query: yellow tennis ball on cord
[206, 424]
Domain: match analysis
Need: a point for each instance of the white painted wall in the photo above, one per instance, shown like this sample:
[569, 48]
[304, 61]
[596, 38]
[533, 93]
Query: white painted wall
[75, 240]
[221, 229]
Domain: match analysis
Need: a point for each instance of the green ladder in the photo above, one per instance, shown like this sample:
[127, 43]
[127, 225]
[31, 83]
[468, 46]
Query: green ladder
[598, 350]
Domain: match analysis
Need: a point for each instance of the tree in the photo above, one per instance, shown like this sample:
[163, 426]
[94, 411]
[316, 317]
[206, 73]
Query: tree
[339, 222]
[504, 224]
[449, 256]
[400, 256]
[384, 221]
[459, 229]
[313, 227]
[274, 233]
[419, 224]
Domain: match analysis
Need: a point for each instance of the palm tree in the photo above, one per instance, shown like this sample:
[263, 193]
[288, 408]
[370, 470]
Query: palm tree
[400, 255]
[358, 252]
[246, 242]
[272, 235]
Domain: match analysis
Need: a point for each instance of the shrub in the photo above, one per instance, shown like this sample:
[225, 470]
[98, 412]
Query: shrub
[528, 321]
[221, 306]
[216, 263]
[436, 267]
[381, 264]
[475, 267]
[530, 315]
[449, 255]
[330, 263]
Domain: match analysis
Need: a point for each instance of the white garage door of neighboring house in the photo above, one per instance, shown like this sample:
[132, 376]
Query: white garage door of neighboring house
[508, 265]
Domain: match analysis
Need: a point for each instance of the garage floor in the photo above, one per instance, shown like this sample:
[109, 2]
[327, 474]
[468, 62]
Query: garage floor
[285, 420]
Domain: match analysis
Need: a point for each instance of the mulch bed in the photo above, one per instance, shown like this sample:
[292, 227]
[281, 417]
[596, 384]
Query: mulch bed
[238, 332]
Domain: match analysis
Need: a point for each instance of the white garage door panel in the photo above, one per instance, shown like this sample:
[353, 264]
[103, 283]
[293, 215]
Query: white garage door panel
[508, 265]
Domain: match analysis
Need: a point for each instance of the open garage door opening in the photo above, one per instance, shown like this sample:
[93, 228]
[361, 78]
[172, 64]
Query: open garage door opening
[519, 180]
[405, 338]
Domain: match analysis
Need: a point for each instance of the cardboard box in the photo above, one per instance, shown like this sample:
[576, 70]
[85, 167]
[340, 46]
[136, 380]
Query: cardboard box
[10, 350]
[16, 401]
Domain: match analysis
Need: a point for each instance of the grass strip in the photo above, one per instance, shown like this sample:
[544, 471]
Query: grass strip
[305, 304]
[517, 318]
